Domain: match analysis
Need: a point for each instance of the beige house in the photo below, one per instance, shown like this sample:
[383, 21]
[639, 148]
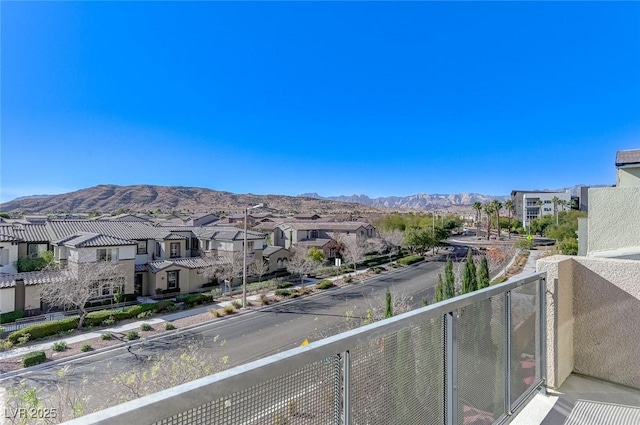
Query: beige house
[293, 232]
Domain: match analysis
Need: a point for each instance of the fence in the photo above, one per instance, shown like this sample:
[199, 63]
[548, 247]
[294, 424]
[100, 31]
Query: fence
[469, 360]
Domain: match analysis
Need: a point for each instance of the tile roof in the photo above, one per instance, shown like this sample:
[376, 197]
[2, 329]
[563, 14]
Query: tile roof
[314, 242]
[173, 236]
[189, 263]
[119, 229]
[140, 268]
[270, 250]
[31, 278]
[228, 234]
[32, 232]
[628, 157]
[84, 240]
[327, 226]
[7, 238]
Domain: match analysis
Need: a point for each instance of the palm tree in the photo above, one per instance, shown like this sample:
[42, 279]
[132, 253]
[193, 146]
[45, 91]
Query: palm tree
[555, 201]
[488, 210]
[478, 207]
[508, 205]
[497, 206]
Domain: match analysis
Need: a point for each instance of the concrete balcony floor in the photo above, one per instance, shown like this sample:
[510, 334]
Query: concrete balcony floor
[583, 400]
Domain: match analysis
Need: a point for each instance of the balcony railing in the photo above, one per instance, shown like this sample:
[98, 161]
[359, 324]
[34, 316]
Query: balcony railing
[473, 359]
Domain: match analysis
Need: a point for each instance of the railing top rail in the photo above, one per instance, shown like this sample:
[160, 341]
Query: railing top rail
[166, 403]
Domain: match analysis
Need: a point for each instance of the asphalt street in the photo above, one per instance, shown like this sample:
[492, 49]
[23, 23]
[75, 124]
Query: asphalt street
[245, 337]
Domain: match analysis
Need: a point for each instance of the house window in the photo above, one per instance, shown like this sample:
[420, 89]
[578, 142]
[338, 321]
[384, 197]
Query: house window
[158, 249]
[174, 249]
[314, 234]
[142, 247]
[207, 245]
[249, 245]
[173, 279]
[188, 244]
[107, 254]
[34, 249]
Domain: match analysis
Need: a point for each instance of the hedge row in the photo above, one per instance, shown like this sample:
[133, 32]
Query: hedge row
[410, 260]
[11, 316]
[198, 299]
[41, 330]
[33, 358]
[95, 318]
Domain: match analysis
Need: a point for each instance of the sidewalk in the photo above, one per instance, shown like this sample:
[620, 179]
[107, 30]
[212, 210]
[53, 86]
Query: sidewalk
[123, 329]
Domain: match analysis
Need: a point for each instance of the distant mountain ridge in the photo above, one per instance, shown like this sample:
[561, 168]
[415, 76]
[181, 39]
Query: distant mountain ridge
[421, 201]
[424, 201]
[109, 198]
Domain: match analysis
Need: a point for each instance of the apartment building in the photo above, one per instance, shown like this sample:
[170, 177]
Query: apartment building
[531, 205]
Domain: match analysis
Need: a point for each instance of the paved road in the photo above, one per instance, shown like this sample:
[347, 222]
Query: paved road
[254, 335]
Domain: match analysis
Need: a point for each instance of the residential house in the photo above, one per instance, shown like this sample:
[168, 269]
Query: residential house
[292, 232]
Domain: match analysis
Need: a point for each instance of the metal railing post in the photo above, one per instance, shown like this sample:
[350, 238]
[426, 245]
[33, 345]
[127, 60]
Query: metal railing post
[507, 363]
[543, 331]
[346, 405]
[337, 390]
[451, 368]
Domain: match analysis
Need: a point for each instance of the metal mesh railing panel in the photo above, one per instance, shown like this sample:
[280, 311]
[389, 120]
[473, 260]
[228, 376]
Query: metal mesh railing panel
[481, 334]
[525, 358]
[302, 397]
[398, 379]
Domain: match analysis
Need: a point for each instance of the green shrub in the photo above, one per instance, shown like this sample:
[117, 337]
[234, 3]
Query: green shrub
[324, 284]
[524, 244]
[23, 339]
[411, 259]
[228, 309]
[85, 348]
[106, 337]
[348, 279]
[283, 285]
[145, 314]
[146, 327]
[59, 346]
[132, 335]
[108, 322]
[283, 292]
[12, 316]
[41, 330]
[236, 304]
[5, 345]
[33, 358]
[168, 326]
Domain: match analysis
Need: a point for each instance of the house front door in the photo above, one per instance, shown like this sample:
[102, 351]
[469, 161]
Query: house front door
[137, 284]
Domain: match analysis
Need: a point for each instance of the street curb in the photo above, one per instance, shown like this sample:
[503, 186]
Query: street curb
[239, 313]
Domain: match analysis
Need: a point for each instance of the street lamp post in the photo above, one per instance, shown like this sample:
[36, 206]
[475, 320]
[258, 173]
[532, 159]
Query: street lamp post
[244, 257]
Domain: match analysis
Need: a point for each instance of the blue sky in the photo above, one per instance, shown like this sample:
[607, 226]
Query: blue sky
[330, 97]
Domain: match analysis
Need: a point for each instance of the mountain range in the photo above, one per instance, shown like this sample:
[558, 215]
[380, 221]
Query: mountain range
[109, 198]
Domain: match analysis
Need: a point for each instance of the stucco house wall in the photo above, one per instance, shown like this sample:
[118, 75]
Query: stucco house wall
[614, 219]
[628, 177]
[7, 299]
[593, 311]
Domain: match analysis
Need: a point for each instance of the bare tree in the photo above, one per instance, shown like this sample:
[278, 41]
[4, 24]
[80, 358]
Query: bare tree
[394, 239]
[259, 267]
[300, 263]
[354, 250]
[80, 283]
[229, 269]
